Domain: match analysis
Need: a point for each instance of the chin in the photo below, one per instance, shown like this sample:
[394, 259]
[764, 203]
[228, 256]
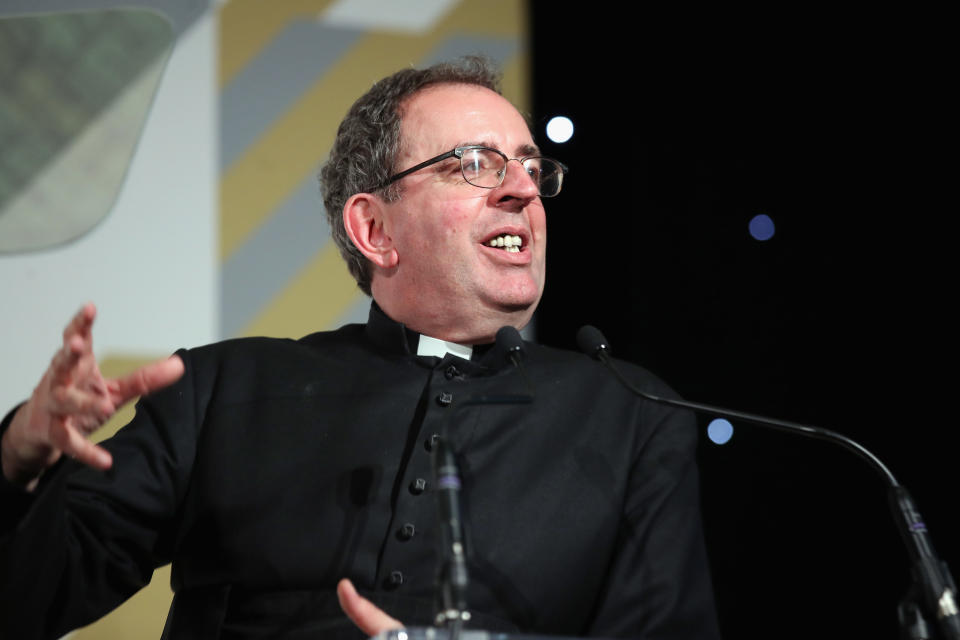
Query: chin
[509, 306]
[522, 298]
[516, 305]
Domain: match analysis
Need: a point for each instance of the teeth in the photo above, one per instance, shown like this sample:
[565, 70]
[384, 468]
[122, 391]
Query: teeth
[510, 243]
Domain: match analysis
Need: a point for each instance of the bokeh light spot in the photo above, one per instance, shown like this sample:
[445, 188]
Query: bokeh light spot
[762, 227]
[720, 431]
[560, 129]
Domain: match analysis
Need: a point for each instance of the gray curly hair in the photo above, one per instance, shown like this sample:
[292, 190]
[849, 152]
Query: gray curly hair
[368, 142]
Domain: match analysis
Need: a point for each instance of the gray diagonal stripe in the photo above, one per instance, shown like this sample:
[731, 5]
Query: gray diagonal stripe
[497, 49]
[264, 265]
[283, 71]
[356, 313]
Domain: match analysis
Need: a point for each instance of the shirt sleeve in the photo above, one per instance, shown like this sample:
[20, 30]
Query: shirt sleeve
[14, 500]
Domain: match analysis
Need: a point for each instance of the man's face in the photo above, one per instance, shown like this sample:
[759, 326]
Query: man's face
[447, 275]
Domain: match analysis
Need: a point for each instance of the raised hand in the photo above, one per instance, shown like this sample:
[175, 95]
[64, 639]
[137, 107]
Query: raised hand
[72, 401]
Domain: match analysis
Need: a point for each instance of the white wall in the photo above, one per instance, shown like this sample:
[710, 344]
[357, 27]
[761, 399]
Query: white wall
[151, 266]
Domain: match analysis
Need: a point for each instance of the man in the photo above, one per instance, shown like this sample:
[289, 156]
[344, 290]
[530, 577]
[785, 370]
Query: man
[271, 469]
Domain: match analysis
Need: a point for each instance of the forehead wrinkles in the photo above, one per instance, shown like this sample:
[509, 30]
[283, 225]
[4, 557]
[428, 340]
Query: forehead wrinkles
[423, 134]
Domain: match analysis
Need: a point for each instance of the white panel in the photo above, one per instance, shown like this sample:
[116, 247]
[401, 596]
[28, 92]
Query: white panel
[409, 16]
[151, 266]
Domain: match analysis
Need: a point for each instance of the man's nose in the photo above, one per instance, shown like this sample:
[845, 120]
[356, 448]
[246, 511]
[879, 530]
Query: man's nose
[518, 182]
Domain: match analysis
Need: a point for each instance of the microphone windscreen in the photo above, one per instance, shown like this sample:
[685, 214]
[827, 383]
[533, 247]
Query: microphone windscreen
[591, 341]
[508, 339]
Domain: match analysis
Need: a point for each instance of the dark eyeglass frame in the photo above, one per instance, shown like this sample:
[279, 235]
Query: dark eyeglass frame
[457, 152]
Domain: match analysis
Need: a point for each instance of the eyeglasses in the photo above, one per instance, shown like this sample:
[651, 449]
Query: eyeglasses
[485, 167]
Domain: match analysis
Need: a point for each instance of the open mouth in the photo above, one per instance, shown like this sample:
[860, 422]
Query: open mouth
[507, 242]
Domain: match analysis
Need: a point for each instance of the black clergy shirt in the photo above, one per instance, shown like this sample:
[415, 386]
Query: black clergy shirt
[274, 468]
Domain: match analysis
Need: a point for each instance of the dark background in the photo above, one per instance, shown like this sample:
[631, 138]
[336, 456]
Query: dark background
[838, 127]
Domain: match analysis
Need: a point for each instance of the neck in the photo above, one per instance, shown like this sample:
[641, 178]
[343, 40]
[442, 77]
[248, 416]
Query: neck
[452, 326]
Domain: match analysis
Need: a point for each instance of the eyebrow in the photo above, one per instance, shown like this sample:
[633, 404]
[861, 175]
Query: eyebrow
[528, 150]
[524, 150]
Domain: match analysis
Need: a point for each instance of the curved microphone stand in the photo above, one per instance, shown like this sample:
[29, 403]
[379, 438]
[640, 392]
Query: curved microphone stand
[932, 593]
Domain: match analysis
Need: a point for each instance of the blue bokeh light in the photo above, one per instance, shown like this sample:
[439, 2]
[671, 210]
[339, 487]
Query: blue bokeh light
[762, 227]
[720, 431]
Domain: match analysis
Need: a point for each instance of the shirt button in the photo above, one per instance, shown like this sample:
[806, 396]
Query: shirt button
[406, 532]
[444, 399]
[418, 486]
[431, 442]
[452, 372]
[395, 579]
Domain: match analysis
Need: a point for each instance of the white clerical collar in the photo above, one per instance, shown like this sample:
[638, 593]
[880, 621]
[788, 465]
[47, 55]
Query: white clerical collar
[432, 347]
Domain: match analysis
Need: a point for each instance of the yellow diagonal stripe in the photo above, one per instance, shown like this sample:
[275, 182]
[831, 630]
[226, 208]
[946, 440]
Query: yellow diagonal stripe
[247, 26]
[314, 300]
[505, 18]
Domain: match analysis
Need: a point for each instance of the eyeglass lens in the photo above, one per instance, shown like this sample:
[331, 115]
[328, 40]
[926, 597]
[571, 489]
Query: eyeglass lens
[486, 167]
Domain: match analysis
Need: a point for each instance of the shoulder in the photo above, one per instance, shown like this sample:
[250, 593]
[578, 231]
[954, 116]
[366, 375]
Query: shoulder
[576, 366]
[242, 368]
[264, 349]
[571, 379]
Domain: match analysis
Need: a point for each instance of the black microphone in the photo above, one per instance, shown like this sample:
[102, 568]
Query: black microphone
[932, 579]
[591, 341]
[453, 576]
[509, 340]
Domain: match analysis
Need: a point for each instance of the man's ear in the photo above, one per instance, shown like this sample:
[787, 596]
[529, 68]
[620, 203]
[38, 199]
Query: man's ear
[363, 219]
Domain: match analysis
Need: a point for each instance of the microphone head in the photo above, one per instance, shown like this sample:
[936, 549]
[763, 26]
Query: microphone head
[508, 339]
[592, 342]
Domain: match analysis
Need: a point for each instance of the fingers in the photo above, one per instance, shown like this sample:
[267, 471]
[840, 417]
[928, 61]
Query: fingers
[74, 444]
[72, 401]
[68, 404]
[66, 358]
[368, 617]
[88, 406]
[77, 342]
[81, 325]
[146, 379]
[81, 322]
